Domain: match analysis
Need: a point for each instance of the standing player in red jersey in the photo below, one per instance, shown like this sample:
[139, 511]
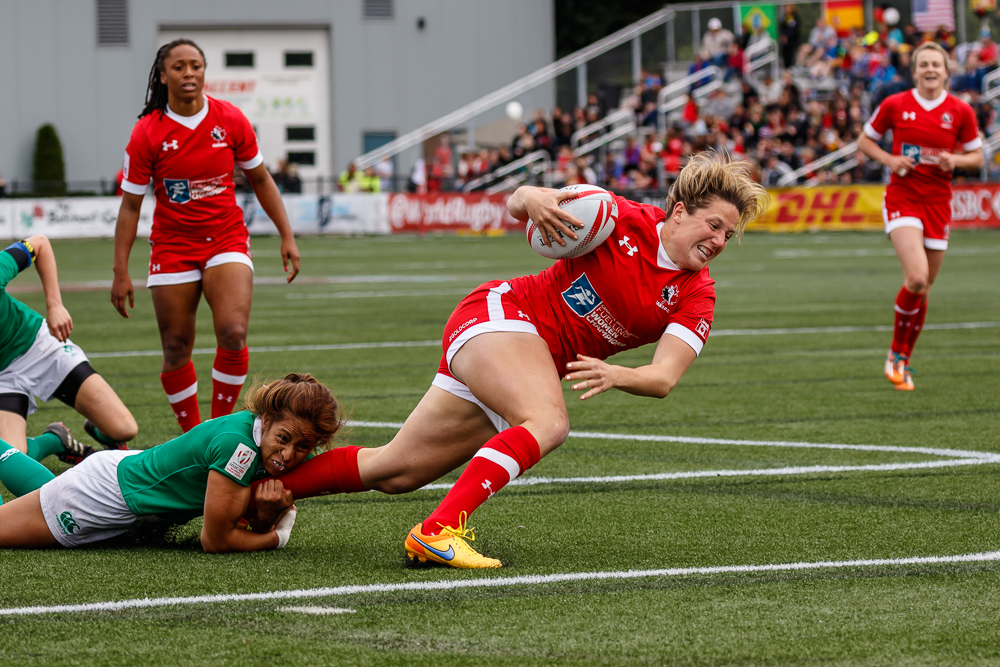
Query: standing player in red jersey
[187, 145]
[497, 398]
[927, 124]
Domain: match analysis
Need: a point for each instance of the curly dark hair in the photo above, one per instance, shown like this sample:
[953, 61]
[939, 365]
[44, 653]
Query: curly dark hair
[156, 90]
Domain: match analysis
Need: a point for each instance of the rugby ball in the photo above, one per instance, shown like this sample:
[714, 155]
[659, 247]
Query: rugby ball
[596, 210]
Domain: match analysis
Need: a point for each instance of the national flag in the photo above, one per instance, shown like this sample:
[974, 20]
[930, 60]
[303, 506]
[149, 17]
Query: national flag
[844, 15]
[929, 15]
[759, 16]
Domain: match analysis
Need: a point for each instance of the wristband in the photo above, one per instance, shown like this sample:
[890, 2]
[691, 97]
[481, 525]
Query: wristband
[284, 526]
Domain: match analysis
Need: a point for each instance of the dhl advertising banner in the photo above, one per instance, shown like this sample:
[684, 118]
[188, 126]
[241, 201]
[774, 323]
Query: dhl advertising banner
[859, 208]
[827, 208]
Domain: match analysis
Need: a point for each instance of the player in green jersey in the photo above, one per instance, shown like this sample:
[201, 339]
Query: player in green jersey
[207, 471]
[37, 358]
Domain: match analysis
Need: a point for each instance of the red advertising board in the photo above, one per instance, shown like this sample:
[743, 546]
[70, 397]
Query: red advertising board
[451, 212]
[975, 205]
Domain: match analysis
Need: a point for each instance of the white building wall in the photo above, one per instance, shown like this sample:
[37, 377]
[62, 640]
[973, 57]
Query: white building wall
[384, 75]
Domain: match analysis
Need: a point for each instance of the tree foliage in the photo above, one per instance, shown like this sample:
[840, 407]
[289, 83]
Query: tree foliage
[49, 169]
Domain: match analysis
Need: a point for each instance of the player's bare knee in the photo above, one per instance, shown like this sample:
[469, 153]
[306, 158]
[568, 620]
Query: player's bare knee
[916, 283]
[176, 350]
[232, 336]
[396, 485]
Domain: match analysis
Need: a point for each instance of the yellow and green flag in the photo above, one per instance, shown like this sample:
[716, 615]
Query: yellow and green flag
[755, 16]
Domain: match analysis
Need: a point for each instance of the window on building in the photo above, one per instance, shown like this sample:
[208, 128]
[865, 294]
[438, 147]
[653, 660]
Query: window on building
[298, 58]
[300, 133]
[112, 22]
[378, 9]
[302, 158]
[373, 140]
[239, 59]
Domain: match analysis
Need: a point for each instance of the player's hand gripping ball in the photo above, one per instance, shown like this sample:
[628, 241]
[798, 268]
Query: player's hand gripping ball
[595, 208]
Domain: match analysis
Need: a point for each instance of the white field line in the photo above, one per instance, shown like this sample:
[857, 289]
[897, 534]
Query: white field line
[437, 342]
[318, 611]
[956, 457]
[375, 295]
[494, 582]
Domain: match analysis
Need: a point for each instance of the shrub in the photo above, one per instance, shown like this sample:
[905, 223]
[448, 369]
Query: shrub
[49, 169]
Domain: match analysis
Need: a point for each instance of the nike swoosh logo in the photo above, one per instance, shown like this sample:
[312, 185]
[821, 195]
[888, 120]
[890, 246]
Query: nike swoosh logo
[447, 555]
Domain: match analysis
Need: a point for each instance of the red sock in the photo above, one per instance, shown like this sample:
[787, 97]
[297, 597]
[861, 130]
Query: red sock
[229, 372]
[916, 327]
[335, 471]
[505, 456]
[181, 386]
[907, 308]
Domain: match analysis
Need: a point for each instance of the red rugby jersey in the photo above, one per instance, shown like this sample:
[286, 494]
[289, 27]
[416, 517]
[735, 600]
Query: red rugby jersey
[922, 129]
[625, 293]
[190, 161]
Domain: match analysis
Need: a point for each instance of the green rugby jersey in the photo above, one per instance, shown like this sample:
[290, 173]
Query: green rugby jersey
[18, 324]
[170, 480]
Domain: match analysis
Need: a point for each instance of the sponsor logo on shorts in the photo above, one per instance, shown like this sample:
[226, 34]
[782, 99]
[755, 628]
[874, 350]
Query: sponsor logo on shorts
[181, 191]
[240, 461]
[668, 297]
[463, 327]
[584, 300]
[68, 524]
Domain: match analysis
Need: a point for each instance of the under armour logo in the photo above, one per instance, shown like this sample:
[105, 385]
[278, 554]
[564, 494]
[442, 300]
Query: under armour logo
[631, 249]
[172, 144]
[521, 314]
[228, 399]
[909, 115]
[488, 487]
[181, 415]
[154, 267]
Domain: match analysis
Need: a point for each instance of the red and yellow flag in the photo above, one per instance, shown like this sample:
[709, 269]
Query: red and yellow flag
[844, 15]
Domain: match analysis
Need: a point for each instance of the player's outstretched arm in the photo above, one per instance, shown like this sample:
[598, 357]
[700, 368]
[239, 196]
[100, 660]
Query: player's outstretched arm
[542, 206]
[57, 317]
[270, 200]
[670, 361]
[125, 231]
[225, 503]
[898, 164]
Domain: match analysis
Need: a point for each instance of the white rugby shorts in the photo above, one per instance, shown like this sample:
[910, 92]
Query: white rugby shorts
[85, 504]
[42, 368]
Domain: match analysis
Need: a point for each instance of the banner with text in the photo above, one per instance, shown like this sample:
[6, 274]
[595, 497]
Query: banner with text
[441, 212]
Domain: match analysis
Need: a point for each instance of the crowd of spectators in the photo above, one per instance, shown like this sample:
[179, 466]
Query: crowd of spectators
[829, 85]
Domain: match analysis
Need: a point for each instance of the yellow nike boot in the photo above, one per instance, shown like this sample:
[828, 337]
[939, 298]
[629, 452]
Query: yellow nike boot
[448, 547]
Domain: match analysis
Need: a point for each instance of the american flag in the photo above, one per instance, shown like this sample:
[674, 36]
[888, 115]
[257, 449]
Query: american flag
[932, 14]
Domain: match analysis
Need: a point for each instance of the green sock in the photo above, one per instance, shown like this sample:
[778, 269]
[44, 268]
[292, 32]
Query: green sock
[20, 473]
[46, 444]
[101, 438]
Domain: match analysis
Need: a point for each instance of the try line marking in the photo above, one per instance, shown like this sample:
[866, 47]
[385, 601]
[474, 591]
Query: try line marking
[490, 582]
[954, 457]
[437, 342]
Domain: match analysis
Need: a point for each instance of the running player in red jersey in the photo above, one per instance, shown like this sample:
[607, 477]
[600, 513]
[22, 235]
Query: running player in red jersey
[927, 124]
[497, 398]
[186, 145]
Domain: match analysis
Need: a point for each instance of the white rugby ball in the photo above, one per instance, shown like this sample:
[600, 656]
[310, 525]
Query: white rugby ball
[596, 210]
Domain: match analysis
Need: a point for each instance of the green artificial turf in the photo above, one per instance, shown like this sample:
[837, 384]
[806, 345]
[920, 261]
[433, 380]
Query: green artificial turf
[794, 387]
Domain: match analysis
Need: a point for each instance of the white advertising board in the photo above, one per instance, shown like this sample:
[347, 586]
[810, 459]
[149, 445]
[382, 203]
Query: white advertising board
[78, 217]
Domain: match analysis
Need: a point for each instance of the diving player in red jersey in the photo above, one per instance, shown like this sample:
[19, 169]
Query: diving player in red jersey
[497, 398]
[187, 145]
[927, 124]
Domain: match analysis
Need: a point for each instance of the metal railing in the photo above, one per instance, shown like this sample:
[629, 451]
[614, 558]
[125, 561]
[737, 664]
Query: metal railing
[847, 152]
[607, 121]
[673, 96]
[517, 171]
[759, 55]
[991, 86]
[512, 90]
[628, 129]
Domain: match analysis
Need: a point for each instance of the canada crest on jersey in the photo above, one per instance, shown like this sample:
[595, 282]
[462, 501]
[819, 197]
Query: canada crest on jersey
[668, 297]
[946, 120]
[218, 134]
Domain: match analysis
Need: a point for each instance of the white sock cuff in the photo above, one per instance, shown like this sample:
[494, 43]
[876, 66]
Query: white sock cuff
[183, 393]
[508, 463]
[237, 380]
